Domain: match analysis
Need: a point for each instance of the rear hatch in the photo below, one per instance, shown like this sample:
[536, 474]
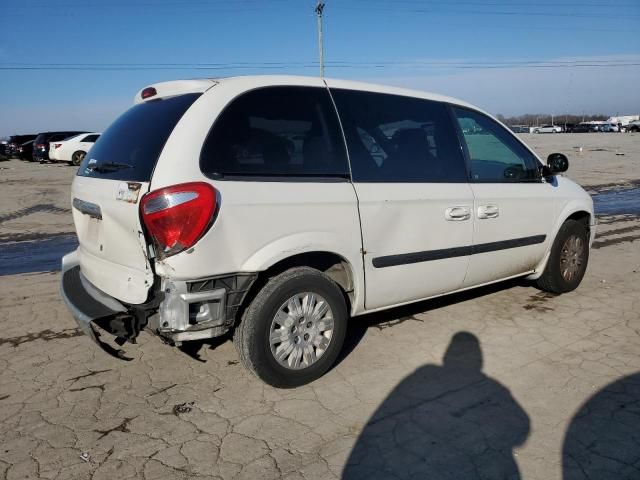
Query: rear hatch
[106, 194]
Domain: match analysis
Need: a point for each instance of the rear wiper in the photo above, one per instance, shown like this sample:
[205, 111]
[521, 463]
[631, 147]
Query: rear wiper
[109, 167]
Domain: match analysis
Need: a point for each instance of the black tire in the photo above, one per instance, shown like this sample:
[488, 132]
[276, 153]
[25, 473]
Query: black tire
[251, 336]
[77, 157]
[552, 279]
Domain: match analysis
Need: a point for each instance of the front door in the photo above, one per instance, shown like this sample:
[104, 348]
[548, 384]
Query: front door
[414, 200]
[513, 206]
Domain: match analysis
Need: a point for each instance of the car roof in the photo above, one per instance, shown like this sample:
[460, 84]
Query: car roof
[177, 87]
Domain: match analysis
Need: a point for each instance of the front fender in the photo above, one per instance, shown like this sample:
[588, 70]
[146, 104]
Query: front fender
[583, 203]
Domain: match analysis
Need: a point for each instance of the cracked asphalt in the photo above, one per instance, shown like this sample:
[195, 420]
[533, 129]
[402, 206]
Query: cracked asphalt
[501, 382]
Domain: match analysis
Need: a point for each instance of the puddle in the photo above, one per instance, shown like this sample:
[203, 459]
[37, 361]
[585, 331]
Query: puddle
[42, 255]
[618, 202]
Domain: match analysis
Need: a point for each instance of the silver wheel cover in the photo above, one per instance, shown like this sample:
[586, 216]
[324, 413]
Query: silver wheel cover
[301, 331]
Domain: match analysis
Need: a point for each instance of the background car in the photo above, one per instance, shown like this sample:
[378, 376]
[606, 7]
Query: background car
[72, 149]
[633, 126]
[25, 150]
[41, 143]
[548, 129]
[585, 128]
[11, 150]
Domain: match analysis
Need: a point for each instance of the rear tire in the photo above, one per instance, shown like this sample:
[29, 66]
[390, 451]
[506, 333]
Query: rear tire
[272, 325]
[568, 259]
[77, 157]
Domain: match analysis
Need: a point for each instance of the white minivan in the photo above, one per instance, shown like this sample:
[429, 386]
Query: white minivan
[278, 207]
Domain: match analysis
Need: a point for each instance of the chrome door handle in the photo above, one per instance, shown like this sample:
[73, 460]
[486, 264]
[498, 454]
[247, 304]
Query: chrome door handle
[488, 211]
[457, 214]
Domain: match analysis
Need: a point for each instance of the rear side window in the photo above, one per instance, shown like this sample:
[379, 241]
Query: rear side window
[90, 138]
[276, 132]
[394, 138]
[495, 155]
[130, 147]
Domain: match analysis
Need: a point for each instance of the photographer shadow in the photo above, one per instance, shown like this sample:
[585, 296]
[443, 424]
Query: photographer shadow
[443, 422]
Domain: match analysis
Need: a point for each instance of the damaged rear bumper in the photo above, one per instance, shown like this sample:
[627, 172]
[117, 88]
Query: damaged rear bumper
[88, 305]
[180, 310]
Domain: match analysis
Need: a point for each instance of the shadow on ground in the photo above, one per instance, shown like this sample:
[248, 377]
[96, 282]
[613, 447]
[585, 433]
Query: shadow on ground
[603, 438]
[443, 422]
[358, 327]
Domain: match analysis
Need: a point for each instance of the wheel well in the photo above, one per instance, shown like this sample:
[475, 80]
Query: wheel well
[582, 217]
[331, 264]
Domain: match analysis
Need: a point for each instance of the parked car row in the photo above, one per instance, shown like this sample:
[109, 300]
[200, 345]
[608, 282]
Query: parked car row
[584, 127]
[65, 146]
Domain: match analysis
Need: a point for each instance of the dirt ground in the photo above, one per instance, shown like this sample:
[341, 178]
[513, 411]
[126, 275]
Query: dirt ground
[501, 379]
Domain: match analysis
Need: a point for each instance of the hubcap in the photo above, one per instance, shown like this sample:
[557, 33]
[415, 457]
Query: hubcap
[572, 257]
[301, 331]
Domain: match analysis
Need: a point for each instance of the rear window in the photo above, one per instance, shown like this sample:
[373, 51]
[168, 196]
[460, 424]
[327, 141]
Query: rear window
[130, 147]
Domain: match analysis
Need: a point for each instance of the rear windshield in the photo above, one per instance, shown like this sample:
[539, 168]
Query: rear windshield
[130, 147]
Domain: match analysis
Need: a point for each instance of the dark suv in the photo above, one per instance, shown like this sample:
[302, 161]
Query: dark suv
[41, 143]
[11, 149]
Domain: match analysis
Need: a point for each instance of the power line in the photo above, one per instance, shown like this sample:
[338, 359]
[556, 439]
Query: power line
[418, 66]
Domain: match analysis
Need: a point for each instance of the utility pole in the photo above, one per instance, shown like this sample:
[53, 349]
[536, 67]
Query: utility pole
[319, 10]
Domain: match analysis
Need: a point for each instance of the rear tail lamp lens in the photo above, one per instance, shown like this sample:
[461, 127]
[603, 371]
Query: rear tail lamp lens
[57, 145]
[177, 217]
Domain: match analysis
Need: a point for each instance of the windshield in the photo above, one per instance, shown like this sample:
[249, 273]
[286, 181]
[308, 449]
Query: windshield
[130, 147]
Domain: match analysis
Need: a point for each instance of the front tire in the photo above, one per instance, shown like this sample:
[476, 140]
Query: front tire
[293, 330]
[568, 259]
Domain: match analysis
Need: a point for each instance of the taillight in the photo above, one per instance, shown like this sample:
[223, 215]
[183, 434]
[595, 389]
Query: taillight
[40, 145]
[177, 217]
[57, 145]
[148, 92]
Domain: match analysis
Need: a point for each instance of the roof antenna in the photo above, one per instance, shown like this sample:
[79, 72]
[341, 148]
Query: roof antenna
[319, 10]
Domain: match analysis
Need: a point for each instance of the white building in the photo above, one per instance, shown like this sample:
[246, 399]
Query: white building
[624, 119]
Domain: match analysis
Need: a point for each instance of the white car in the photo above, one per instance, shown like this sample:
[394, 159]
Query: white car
[609, 127]
[74, 149]
[279, 207]
[548, 129]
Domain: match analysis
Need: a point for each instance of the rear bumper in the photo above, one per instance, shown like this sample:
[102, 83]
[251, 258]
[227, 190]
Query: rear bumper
[88, 304]
[183, 310]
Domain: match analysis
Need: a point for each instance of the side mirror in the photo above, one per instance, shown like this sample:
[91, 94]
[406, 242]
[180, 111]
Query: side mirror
[556, 163]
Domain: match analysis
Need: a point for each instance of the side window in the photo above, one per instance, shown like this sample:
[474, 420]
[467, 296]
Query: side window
[90, 138]
[393, 138]
[495, 155]
[276, 132]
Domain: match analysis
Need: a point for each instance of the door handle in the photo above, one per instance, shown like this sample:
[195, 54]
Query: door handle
[457, 214]
[488, 211]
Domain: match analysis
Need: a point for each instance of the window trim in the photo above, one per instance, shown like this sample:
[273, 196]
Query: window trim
[465, 148]
[299, 178]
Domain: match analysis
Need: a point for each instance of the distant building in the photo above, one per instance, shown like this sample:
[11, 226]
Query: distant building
[623, 120]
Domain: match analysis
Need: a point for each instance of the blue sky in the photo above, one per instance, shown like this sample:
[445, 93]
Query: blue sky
[78, 63]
